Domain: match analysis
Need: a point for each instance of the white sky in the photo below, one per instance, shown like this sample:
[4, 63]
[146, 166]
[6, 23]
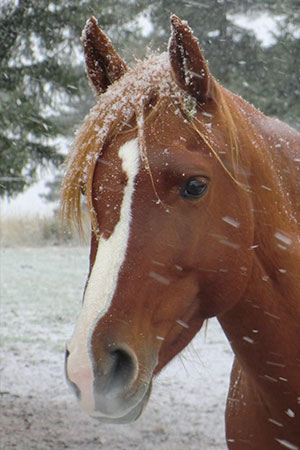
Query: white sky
[264, 26]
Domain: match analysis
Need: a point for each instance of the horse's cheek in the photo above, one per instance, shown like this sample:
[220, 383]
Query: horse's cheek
[224, 277]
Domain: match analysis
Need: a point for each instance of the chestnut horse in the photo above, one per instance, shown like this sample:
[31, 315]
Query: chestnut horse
[194, 198]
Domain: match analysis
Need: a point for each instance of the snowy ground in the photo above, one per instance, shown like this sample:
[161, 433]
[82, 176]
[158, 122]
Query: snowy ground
[40, 296]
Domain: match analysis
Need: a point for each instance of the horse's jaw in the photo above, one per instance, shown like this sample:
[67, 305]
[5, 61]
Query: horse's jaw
[120, 411]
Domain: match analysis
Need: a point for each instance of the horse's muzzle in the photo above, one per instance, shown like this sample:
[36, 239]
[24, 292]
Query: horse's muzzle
[118, 392]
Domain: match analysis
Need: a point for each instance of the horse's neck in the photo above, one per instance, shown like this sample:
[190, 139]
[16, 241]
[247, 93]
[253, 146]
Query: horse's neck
[281, 146]
[274, 147]
[263, 327]
[264, 332]
[273, 166]
[265, 324]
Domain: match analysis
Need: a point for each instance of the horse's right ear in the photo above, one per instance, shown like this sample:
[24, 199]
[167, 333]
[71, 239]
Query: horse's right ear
[103, 64]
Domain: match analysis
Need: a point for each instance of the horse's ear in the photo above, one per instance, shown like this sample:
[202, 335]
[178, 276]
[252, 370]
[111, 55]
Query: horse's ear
[103, 64]
[187, 62]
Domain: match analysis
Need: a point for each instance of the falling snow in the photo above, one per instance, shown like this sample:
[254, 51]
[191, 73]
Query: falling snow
[159, 278]
[290, 413]
[287, 444]
[231, 221]
[283, 238]
[183, 324]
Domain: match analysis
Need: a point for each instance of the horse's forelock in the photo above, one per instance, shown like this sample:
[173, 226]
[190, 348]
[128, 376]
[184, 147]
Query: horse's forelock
[143, 86]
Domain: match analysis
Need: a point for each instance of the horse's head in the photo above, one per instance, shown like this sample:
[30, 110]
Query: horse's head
[170, 213]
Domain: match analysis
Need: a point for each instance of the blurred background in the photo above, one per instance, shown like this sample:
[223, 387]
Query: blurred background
[252, 47]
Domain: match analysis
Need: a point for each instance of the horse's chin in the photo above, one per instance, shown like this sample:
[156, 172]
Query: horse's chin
[121, 414]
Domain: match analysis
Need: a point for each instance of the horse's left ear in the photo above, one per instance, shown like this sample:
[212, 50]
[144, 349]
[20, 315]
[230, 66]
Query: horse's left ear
[103, 64]
[188, 64]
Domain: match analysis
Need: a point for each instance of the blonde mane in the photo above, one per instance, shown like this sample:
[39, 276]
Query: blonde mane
[122, 107]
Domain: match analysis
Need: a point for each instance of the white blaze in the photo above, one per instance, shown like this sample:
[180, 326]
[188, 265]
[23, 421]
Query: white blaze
[102, 284]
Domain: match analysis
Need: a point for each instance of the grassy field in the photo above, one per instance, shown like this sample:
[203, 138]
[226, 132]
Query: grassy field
[40, 294]
[38, 231]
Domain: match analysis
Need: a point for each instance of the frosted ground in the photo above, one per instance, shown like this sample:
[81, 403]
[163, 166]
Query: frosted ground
[41, 291]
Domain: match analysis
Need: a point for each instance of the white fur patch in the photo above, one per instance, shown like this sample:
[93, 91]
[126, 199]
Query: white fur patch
[102, 284]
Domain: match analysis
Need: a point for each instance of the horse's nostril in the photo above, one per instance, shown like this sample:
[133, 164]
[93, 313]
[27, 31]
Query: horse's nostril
[123, 365]
[67, 353]
[120, 372]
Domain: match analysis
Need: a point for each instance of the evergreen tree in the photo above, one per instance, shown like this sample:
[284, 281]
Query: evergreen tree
[281, 90]
[43, 88]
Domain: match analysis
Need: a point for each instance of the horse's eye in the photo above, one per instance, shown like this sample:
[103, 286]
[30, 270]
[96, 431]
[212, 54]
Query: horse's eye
[194, 188]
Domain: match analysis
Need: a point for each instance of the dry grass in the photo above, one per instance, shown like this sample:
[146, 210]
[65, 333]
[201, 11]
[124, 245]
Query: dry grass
[37, 231]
